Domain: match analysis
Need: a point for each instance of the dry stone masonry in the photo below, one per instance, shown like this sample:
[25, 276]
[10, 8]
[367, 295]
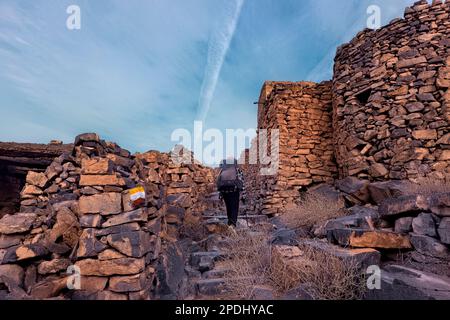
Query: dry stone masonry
[78, 214]
[391, 98]
[301, 111]
[384, 115]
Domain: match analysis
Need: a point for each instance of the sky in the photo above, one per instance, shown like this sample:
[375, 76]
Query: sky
[137, 70]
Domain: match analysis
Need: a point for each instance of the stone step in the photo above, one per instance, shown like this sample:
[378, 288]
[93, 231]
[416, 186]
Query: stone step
[211, 287]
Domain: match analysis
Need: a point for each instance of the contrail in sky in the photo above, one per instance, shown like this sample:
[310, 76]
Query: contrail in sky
[217, 50]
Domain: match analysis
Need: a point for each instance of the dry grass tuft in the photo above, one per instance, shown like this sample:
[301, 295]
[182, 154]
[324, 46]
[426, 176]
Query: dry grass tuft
[325, 276]
[428, 185]
[313, 209]
[252, 262]
[248, 263]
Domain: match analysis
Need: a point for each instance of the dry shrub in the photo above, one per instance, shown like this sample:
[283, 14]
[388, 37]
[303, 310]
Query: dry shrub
[324, 276]
[193, 228]
[313, 209]
[249, 262]
[429, 185]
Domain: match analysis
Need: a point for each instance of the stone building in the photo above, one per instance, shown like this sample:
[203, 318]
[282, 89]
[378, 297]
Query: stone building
[384, 115]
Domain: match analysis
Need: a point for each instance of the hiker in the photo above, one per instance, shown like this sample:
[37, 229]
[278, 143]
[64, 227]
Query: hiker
[230, 184]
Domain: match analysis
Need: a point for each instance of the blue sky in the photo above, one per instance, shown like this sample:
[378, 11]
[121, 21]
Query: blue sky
[138, 69]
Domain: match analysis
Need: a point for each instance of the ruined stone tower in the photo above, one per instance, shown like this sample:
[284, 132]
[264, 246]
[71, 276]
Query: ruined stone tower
[384, 115]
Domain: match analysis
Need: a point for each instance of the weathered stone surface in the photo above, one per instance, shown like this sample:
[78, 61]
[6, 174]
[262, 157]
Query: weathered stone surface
[91, 221]
[110, 254]
[14, 272]
[128, 283]
[170, 272]
[424, 224]
[24, 252]
[88, 245]
[402, 283]
[380, 191]
[86, 137]
[362, 258]
[101, 180]
[105, 204]
[125, 266]
[425, 134]
[444, 230]
[37, 179]
[401, 205]
[404, 225]
[97, 166]
[49, 287]
[429, 246]
[17, 223]
[210, 287]
[440, 204]
[139, 215]
[132, 244]
[93, 284]
[369, 239]
[7, 241]
[66, 226]
[354, 187]
[53, 266]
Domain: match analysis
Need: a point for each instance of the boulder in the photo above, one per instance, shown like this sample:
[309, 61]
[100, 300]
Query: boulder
[123, 266]
[17, 223]
[440, 204]
[104, 204]
[403, 225]
[139, 215]
[356, 189]
[359, 238]
[86, 137]
[7, 241]
[37, 179]
[402, 205]
[92, 283]
[110, 254]
[429, 246]
[362, 258]
[403, 283]
[424, 224]
[380, 191]
[129, 227]
[133, 244]
[444, 230]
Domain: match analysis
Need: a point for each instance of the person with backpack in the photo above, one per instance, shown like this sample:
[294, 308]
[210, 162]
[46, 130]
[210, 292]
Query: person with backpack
[230, 184]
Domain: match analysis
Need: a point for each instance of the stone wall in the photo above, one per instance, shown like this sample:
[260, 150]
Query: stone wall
[391, 98]
[78, 213]
[16, 159]
[301, 111]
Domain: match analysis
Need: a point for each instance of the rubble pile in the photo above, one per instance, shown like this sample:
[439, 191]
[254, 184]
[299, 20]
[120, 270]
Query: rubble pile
[78, 224]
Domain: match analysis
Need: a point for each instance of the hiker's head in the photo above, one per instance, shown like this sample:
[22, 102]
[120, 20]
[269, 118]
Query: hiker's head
[230, 160]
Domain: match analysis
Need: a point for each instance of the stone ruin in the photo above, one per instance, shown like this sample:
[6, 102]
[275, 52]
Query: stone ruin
[385, 114]
[77, 215]
[382, 121]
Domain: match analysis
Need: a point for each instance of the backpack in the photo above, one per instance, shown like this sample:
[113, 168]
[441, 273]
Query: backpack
[228, 179]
